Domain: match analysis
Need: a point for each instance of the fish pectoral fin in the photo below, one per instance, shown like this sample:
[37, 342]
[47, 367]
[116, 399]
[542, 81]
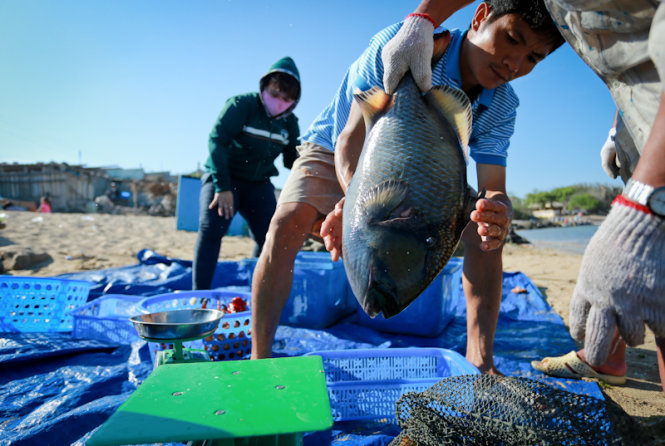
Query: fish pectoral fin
[454, 105]
[374, 103]
[382, 200]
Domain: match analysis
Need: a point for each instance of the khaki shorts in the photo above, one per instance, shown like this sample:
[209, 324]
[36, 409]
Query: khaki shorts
[312, 179]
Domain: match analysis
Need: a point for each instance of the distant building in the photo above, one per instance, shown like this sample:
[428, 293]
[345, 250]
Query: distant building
[549, 211]
[124, 174]
[69, 187]
[73, 188]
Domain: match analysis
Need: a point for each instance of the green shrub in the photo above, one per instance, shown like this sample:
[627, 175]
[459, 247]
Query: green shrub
[585, 202]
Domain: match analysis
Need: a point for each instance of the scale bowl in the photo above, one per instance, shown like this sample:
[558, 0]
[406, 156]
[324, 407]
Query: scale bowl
[177, 325]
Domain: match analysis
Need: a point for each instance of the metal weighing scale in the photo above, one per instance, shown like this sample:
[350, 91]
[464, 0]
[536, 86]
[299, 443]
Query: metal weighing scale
[267, 402]
[175, 327]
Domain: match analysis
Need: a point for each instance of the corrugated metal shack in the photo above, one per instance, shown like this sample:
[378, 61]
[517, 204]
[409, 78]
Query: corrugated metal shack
[73, 188]
[70, 188]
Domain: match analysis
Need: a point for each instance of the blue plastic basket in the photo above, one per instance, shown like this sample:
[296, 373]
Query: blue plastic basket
[34, 304]
[365, 384]
[232, 339]
[320, 293]
[107, 319]
[430, 313]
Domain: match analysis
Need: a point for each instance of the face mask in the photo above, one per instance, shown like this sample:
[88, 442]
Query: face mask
[274, 106]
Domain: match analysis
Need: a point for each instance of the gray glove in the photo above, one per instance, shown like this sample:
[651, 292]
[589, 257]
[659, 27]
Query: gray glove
[608, 156]
[621, 282]
[411, 48]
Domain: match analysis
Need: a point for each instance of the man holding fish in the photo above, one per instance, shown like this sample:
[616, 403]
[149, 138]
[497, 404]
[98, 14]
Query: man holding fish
[621, 286]
[505, 41]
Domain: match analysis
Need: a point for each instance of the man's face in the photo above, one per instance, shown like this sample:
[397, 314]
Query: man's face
[502, 50]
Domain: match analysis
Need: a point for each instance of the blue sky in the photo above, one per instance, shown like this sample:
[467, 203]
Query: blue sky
[140, 83]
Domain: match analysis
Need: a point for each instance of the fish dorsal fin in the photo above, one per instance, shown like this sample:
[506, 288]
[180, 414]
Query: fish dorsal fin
[455, 107]
[373, 103]
[386, 195]
[441, 43]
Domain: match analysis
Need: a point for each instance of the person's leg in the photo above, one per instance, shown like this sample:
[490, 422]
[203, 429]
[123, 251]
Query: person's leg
[257, 206]
[304, 201]
[660, 352]
[273, 275]
[482, 281]
[212, 228]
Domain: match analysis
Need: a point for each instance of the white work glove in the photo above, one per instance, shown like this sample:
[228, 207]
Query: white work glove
[621, 282]
[411, 48]
[608, 156]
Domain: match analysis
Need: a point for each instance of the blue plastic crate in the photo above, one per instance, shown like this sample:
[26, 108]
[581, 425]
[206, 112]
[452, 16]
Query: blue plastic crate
[366, 383]
[187, 208]
[34, 304]
[429, 313]
[229, 273]
[107, 319]
[232, 339]
[320, 292]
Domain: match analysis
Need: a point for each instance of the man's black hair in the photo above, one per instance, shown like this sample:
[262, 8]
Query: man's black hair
[533, 12]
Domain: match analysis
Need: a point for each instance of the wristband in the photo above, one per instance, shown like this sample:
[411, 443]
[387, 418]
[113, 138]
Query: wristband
[423, 15]
[620, 199]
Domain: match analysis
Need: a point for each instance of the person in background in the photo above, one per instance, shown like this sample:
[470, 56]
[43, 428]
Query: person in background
[44, 205]
[113, 193]
[252, 130]
[505, 41]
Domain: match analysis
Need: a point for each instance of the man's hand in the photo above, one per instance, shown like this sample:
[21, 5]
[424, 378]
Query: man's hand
[223, 201]
[411, 48]
[493, 218]
[331, 231]
[621, 283]
[608, 156]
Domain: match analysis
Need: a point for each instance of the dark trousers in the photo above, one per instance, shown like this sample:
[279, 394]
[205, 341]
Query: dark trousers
[256, 203]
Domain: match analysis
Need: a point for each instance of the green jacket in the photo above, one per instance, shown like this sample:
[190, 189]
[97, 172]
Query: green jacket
[245, 140]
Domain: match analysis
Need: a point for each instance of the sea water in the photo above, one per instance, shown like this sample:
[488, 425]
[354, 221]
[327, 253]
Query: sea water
[569, 239]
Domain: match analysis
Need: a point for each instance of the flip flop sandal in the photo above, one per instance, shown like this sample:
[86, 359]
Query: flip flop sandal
[571, 366]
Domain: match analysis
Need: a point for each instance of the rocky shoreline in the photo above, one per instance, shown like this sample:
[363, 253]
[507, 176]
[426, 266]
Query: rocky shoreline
[560, 222]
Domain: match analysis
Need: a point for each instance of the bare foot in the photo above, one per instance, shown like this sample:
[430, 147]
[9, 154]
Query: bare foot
[487, 370]
[616, 360]
[613, 366]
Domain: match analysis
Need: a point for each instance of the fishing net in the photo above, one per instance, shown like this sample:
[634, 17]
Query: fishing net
[491, 410]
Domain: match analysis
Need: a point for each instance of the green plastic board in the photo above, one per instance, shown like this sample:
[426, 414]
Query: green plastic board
[218, 400]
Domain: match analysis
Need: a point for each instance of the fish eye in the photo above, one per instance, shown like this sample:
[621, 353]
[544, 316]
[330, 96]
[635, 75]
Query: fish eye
[430, 242]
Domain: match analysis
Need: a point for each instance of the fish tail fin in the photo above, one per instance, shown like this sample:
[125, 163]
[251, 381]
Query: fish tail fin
[374, 103]
[455, 107]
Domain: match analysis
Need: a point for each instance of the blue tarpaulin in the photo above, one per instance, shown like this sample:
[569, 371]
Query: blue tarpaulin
[58, 390]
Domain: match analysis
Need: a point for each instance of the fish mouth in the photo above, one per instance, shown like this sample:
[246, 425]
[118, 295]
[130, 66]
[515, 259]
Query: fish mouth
[380, 298]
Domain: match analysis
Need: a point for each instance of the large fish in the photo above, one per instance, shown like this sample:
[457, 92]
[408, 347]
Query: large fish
[409, 200]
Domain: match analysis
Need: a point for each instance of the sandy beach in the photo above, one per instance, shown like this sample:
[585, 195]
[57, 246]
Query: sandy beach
[50, 244]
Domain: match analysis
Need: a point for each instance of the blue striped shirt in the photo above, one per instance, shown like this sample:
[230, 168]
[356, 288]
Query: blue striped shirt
[494, 110]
